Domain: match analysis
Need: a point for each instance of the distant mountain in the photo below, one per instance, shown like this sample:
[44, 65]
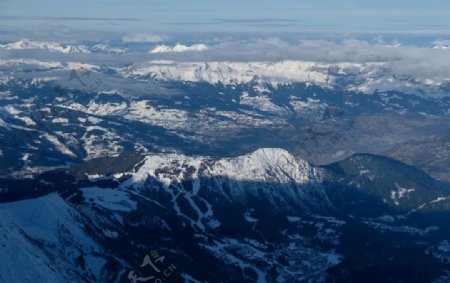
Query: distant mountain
[60, 47]
[417, 152]
[365, 78]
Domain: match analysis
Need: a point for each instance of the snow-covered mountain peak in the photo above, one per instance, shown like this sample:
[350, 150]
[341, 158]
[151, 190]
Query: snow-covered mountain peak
[272, 165]
[271, 155]
[109, 49]
[267, 165]
[166, 168]
[262, 160]
[46, 45]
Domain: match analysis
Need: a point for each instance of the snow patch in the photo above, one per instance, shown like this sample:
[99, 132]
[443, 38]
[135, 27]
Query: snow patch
[111, 199]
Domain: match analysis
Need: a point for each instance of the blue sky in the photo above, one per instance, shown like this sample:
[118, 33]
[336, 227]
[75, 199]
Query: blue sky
[352, 16]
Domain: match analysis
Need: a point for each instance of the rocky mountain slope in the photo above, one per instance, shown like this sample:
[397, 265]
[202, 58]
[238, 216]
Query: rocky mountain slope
[266, 216]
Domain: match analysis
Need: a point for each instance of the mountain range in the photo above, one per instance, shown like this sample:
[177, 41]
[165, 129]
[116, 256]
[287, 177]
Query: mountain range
[115, 168]
[266, 216]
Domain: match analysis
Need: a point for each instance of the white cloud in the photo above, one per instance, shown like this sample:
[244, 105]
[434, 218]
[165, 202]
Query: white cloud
[178, 48]
[143, 37]
[442, 44]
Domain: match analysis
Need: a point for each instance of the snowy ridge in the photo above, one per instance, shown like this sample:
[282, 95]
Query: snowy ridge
[40, 232]
[367, 78]
[153, 164]
[60, 47]
[265, 164]
[44, 45]
[357, 77]
[231, 72]
[288, 181]
[109, 49]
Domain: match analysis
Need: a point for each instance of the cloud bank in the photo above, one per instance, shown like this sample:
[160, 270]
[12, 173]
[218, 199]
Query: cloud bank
[178, 48]
[143, 37]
